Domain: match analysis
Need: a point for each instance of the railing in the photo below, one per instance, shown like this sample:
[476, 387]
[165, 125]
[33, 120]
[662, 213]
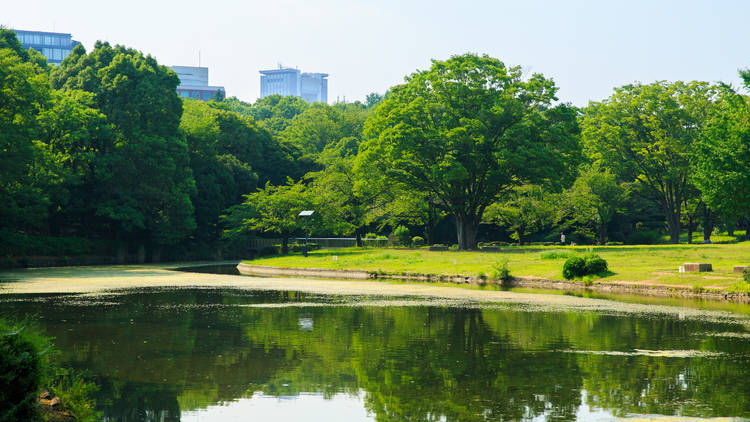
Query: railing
[324, 242]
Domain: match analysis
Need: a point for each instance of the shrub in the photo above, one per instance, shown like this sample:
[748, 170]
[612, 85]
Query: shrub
[501, 272]
[614, 243]
[417, 241]
[595, 264]
[371, 236]
[746, 274]
[575, 266]
[22, 366]
[579, 266]
[402, 234]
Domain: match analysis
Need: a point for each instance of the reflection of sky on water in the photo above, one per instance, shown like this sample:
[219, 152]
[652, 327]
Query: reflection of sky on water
[304, 407]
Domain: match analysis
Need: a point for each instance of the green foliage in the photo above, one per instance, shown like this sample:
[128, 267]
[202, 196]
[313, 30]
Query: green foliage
[469, 128]
[594, 199]
[522, 210]
[746, 274]
[417, 241]
[575, 266]
[403, 236]
[595, 264]
[371, 236]
[273, 209]
[22, 367]
[720, 169]
[579, 266]
[76, 393]
[646, 134]
[501, 272]
[643, 237]
[555, 255]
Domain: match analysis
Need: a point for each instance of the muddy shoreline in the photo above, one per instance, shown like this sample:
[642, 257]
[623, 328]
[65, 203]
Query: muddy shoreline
[517, 282]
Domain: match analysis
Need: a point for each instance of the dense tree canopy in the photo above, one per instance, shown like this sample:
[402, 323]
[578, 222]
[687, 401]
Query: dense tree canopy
[646, 134]
[468, 129]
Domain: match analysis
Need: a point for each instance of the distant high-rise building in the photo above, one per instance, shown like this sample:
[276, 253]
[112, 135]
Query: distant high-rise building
[313, 87]
[55, 46]
[194, 83]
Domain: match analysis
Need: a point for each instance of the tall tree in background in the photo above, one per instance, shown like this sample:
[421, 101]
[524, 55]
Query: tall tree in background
[467, 130]
[143, 177]
[646, 134]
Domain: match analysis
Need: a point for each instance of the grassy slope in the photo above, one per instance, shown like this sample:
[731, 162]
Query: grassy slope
[648, 264]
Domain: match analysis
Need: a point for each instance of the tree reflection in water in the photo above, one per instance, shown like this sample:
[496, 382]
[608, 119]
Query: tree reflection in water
[156, 353]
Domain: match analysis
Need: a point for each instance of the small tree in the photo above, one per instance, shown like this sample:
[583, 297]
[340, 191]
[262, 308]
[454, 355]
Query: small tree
[594, 199]
[523, 210]
[273, 209]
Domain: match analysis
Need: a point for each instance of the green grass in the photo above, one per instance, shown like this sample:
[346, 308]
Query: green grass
[655, 264]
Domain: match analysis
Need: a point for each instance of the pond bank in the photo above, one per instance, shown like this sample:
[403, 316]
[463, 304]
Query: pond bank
[616, 287]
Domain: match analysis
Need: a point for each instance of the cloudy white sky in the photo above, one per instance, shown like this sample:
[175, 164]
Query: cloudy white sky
[587, 46]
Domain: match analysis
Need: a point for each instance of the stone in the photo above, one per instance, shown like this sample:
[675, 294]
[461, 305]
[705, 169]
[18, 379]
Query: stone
[694, 267]
[738, 269]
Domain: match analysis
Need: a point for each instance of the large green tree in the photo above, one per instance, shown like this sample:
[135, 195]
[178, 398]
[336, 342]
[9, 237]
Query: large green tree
[467, 130]
[723, 157]
[646, 134]
[594, 199]
[143, 176]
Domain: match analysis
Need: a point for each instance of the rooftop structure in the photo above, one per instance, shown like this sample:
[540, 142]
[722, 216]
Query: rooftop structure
[194, 83]
[55, 46]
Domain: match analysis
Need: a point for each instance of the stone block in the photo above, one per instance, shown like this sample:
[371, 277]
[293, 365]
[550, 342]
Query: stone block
[738, 269]
[694, 267]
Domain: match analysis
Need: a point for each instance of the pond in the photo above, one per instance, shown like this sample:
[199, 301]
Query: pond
[224, 354]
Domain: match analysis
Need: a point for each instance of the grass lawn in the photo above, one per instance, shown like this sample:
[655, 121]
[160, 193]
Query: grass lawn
[655, 264]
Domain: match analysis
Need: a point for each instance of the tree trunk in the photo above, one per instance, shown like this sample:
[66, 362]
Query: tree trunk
[519, 233]
[141, 254]
[673, 225]
[156, 253]
[285, 244]
[602, 233]
[466, 229]
[690, 229]
[708, 224]
[358, 238]
[122, 252]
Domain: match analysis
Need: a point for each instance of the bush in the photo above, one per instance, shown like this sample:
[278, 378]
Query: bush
[579, 266]
[402, 234]
[22, 367]
[746, 274]
[614, 243]
[501, 272]
[417, 241]
[575, 266]
[595, 264]
[371, 236]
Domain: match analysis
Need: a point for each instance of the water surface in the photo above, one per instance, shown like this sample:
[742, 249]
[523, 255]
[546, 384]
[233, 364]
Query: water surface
[203, 354]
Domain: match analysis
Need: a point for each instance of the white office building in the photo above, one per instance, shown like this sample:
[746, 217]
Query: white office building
[194, 83]
[312, 87]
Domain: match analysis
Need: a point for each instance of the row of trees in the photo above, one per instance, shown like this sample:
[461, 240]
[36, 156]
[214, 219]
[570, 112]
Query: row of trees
[101, 147]
[473, 139]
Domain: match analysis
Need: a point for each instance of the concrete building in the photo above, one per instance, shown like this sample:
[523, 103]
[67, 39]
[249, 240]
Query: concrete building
[312, 87]
[194, 83]
[55, 46]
